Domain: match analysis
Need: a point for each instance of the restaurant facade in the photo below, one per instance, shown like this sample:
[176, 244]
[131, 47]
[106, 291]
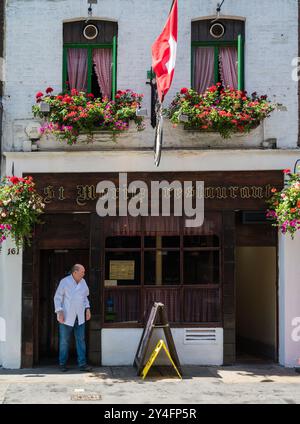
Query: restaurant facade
[228, 279]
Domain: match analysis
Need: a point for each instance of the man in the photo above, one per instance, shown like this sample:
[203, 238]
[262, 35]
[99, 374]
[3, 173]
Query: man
[73, 309]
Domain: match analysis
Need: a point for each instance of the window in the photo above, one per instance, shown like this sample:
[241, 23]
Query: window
[217, 59]
[182, 271]
[89, 62]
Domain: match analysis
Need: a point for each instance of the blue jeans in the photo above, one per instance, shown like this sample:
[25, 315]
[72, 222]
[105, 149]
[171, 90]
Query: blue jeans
[65, 332]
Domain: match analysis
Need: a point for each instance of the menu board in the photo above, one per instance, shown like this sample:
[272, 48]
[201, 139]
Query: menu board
[121, 270]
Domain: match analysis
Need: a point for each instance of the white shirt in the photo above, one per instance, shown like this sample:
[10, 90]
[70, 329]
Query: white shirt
[71, 298]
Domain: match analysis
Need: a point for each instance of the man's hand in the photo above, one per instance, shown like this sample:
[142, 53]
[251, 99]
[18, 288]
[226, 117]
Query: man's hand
[87, 314]
[60, 317]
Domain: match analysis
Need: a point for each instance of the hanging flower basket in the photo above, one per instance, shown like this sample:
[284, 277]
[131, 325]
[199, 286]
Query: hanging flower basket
[224, 111]
[78, 113]
[20, 208]
[284, 206]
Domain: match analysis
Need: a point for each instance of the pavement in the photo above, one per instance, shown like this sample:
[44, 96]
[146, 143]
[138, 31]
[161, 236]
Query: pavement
[238, 384]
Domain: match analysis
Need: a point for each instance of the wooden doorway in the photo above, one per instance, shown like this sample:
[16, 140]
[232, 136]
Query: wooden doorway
[54, 265]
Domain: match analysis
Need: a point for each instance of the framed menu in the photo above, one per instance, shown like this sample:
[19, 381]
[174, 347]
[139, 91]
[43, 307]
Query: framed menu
[121, 270]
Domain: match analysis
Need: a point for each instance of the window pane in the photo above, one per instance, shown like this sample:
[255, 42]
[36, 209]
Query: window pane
[171, 241]
[122, 268]
[77, 68]
[150, 268]
[162, 241]
[150, 241]
[203, 69]
[162, 268]
[200, 241]
[121, 305]
[201, 267]
[228, 58]
[123, 241]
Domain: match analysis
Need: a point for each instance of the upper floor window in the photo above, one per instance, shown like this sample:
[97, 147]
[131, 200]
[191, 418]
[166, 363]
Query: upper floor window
[218, 53]
[90, 54]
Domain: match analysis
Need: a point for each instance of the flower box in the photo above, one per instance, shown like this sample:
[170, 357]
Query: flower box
[175, 137]
[226, 111]
[73, 114]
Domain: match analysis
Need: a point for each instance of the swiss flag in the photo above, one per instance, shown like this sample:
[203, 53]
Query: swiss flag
[164, 53]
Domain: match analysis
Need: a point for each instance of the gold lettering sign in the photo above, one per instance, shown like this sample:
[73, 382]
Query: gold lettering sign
[121, 270]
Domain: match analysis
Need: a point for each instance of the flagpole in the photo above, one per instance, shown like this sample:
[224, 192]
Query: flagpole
[163, 64]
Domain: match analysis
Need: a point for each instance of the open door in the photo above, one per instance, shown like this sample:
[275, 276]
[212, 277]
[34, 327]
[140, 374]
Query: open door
[55, 265]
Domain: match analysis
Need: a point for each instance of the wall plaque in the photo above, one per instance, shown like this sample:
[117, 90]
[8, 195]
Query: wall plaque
[121, 270]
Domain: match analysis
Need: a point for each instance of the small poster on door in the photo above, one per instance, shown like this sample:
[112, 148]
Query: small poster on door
[121, 270]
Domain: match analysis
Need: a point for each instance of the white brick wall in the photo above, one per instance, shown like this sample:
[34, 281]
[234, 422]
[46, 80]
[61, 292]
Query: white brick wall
[34, 50]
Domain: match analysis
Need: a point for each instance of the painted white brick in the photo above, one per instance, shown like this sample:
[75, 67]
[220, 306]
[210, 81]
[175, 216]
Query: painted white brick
[34, 50]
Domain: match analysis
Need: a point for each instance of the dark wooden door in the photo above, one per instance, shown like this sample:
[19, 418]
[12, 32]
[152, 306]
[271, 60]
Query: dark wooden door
[55, 265]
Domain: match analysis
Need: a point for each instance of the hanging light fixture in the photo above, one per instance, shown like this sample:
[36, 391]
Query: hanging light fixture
[90, 9]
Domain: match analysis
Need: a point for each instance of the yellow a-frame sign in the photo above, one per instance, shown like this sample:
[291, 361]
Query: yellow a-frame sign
[157, 318]
[160, 345]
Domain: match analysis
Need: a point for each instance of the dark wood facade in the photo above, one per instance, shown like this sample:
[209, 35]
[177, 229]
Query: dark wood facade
[73, 32]
[71, 224]
[233, 28]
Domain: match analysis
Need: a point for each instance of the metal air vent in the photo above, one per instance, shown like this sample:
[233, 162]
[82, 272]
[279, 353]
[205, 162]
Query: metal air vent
[217, 30]
[200, 335]
[90, 32]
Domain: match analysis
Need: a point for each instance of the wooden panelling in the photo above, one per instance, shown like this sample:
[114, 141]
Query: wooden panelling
[27, 309]
[96, 269]
[244, 190]
[200, 30]
[73, 32]
[229, 287]
[247, 235]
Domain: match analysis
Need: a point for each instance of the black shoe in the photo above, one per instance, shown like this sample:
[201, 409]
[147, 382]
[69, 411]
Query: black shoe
[85, 368]
[63, 368]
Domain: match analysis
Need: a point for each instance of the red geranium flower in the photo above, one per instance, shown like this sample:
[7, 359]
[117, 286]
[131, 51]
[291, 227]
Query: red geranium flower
[14, 180]
[184, 90]
[74, 92]
[49, 90]
[286, 171]
[212, 89]
[90, 95]
[39, 94]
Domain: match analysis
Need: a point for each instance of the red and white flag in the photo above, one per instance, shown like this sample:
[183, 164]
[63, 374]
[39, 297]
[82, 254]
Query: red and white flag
[164, 53]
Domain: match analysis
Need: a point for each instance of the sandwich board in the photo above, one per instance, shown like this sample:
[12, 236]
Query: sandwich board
[157, 319]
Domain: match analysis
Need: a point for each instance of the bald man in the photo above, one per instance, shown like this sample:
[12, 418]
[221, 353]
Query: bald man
[73, 310]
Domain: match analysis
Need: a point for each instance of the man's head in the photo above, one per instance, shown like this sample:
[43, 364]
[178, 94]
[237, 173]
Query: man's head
[78, 272]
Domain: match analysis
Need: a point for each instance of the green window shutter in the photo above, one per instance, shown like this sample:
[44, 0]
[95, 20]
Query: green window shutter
[114, 67]
[216, 68]
[65, 72]
[241, 82]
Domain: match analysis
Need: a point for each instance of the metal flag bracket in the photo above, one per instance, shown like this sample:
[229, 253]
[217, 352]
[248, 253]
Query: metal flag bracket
[158, 133]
